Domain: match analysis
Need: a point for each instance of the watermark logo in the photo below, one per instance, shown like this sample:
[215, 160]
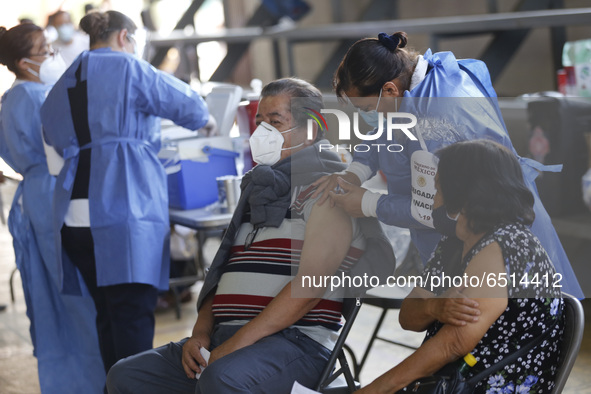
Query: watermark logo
[402, 121]
[320, 121]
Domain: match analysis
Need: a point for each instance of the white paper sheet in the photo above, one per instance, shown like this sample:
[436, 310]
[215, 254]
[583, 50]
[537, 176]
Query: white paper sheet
[299, 389]
[205, 353]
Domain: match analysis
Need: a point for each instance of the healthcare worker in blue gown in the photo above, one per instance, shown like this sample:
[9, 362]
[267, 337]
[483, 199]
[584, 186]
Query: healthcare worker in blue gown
[452, 100]
[62, 325]
[111, 201]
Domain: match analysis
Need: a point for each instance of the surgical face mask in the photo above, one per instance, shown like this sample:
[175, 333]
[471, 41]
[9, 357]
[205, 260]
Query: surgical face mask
[50, 70]
[372, 118]
[136, 51]
[65, 32]
[443, 223]
[266, 144]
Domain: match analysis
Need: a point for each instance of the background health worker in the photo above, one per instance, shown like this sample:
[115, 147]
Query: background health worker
[458, 98]
[111, 201]
[62, 325]
[68, 41]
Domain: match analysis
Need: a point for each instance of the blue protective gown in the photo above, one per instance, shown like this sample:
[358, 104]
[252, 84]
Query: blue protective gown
[62, 326]
[127, 193]
[457, 96]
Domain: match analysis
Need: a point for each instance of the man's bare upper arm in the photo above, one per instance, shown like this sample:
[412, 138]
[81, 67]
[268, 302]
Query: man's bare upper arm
[328, 237]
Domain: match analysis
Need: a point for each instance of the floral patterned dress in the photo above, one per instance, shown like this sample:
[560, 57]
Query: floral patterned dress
[534, 307]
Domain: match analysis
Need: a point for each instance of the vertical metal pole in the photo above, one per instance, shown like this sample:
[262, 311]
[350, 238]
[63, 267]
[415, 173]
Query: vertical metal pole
[290, 58]
[277, 58]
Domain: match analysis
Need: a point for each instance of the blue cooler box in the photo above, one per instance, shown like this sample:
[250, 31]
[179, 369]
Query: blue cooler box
[195, 185]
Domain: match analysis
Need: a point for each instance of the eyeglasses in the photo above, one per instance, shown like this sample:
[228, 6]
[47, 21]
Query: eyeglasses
[131, 38]
[46, 53]
[250, 238]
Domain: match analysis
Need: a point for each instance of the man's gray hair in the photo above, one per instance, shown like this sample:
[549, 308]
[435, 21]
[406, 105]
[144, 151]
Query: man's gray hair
[305, 94]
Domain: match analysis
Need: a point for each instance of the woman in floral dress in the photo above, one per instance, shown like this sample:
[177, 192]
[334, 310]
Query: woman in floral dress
[489, 287]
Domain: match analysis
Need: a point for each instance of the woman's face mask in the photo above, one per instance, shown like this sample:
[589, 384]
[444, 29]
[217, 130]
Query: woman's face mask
[443, 223]
[50, 70]
[266, 144]
[372, 118]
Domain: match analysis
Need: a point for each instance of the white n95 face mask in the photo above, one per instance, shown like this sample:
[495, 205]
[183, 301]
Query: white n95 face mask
[50, 70]
[266, 144]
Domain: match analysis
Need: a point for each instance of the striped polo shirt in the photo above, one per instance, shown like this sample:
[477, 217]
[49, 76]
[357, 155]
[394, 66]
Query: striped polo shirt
[254, 275]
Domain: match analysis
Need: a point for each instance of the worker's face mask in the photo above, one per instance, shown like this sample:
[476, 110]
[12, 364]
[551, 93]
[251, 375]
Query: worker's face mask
[65, 32]
[50, 70]
[266, 144]
[372, 118]
[132, 40]
[443, 223]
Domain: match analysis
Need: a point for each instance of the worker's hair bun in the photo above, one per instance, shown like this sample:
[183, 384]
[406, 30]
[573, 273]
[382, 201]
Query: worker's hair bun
[95, 24]
[394, 41]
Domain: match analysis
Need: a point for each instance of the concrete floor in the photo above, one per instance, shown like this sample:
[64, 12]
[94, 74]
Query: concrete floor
[18, 367]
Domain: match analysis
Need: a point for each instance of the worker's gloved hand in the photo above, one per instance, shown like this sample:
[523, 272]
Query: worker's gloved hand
[329, 183]
[210, 128]
[349, 197]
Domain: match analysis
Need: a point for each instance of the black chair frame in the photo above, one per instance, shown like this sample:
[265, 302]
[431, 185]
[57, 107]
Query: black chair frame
[327, 382]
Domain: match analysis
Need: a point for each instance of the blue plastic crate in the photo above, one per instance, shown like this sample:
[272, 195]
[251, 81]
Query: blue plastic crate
[195, 186]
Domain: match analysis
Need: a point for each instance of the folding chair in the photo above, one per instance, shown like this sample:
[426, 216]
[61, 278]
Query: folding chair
[574, 325]
[341, 381]
[387, 299]
[390, 298]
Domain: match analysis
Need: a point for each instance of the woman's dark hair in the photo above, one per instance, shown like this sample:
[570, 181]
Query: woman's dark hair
[371, 62]
[100, 25]
[16, 44]
[306, 96]
[483, 179]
